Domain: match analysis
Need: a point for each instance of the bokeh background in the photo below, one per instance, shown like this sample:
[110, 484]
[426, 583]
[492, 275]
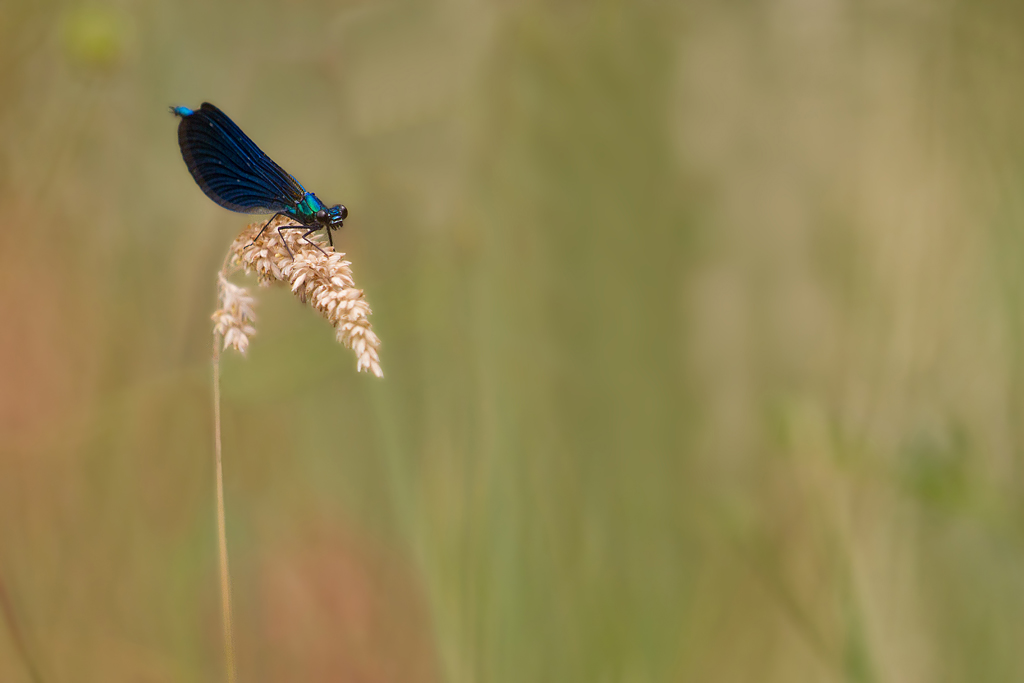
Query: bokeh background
[703, 331]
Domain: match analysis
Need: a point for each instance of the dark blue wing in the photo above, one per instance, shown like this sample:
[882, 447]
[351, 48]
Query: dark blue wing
[230, 168]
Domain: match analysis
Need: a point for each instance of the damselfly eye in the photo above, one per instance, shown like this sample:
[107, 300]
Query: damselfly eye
[344, 212]
[321, 214]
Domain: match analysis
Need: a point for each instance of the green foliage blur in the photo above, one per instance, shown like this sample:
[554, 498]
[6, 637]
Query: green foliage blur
[703, 341]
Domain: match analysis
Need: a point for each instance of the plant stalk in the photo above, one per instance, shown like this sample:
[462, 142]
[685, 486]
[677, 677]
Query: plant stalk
[222, 541]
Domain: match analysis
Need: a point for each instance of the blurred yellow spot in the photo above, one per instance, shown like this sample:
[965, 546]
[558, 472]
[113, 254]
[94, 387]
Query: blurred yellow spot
[94, 36]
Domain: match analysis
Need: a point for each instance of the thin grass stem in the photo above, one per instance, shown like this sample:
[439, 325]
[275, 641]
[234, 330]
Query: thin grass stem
[222, 540]
[20, 643]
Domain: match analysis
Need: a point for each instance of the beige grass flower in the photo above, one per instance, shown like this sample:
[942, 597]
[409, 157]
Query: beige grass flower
[235, 317]
[315, 273]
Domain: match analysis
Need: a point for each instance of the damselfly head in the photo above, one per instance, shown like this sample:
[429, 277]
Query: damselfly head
[336, 216]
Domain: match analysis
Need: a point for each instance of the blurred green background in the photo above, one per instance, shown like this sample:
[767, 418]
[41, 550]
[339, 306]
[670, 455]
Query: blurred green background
[703, 340]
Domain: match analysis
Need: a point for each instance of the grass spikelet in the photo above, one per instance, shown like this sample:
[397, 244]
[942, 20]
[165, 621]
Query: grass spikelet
[235, 317]
[314, 272]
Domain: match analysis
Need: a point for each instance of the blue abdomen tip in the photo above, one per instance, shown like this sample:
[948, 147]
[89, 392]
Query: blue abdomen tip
[182, 111]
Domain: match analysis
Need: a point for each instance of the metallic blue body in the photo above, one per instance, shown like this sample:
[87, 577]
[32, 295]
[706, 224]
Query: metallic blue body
[235, 173]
